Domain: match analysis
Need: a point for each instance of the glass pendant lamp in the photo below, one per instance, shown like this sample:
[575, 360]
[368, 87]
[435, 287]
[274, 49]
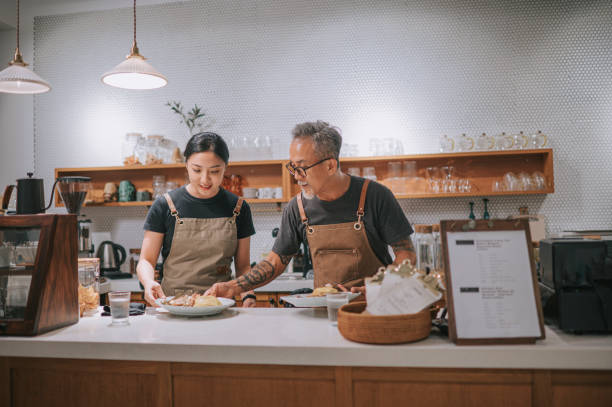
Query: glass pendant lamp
[16, 78]
[135, 72]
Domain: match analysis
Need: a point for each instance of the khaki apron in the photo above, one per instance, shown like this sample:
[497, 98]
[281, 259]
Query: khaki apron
[202, 251]
[341, 252]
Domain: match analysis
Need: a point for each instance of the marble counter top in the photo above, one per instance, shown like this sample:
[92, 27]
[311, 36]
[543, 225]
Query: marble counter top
[291, 336]
[284, 283]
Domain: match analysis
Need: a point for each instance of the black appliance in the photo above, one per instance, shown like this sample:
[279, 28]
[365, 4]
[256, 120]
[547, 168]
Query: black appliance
[576, 284]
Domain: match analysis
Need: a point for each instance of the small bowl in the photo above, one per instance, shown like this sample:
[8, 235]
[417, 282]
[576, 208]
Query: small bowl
[382, 329]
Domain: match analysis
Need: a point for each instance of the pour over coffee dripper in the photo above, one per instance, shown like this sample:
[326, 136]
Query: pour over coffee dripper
[73, 191]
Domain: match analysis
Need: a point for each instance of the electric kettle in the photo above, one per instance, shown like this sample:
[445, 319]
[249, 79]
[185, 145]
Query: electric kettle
[112, 256]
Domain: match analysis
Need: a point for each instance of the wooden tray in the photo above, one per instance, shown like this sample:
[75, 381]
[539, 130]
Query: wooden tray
[382, 329]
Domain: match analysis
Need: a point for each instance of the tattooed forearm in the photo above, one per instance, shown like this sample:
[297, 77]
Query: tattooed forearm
[260, 273]
[403, 246]
[285, 259]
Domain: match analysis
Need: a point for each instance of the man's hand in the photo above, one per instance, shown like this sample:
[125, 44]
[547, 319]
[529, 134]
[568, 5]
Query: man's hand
[227, 290]
[360, 290]
[153, 291]
[249, 303]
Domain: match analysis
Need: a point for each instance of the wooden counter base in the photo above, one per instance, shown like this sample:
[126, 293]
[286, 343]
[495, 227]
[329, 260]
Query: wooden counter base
[80, 382]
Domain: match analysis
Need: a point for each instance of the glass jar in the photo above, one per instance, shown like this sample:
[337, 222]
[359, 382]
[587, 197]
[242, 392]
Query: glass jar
[153, 150]
[89, 284]
[166, 150]
[159, 186]
[128, 148]
[424, 247]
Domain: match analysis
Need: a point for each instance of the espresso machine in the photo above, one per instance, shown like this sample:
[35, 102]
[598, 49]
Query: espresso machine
[576, 283]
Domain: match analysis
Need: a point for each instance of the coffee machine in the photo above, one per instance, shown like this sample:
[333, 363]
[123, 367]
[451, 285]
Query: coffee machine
[86, 246]
[576, 283]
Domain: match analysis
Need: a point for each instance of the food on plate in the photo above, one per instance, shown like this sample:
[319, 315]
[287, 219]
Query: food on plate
[194, 300]
[206, 301]
[323, 291]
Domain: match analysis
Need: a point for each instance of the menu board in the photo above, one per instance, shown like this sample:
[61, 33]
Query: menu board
[492, 290]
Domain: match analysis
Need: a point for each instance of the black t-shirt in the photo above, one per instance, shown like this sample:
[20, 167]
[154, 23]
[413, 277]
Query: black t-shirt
[384, 220]
[220, 206]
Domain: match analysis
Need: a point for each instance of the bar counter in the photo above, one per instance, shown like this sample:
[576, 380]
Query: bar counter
[289, 356]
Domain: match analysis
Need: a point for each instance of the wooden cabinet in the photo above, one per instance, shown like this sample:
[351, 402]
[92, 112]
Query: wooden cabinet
[39, 281]
[480, 168]
[68, 382]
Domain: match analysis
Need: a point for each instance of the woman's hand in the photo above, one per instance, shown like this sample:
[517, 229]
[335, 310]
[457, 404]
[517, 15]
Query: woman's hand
[153, 291]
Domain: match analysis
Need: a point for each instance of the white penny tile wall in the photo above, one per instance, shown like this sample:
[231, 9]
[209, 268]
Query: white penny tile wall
[412, 70]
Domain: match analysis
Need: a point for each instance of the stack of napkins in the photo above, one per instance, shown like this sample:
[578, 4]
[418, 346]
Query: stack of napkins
[400, 290]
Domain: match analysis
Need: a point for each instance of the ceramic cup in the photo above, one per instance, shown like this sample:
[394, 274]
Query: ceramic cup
[127, 191]
[143, 195]
[110, 192]
[266, 193]
[249, 193]
[278, 193]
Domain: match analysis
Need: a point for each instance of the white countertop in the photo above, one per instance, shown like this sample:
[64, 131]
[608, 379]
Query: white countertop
[292, 336]
[284, 283]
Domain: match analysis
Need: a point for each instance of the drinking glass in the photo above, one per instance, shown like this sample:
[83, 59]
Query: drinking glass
[497, 186]
[484, 142]
[465, 143]
[334, 302]
[448, 184]
[447, 144]
[538, 140]
[511, 182]
[120, 307]
[539, 181]
[376, 146]
[464, 185]
[504, 141]
[525, 182]
[521, 141]
[432, 179]
[410, 169]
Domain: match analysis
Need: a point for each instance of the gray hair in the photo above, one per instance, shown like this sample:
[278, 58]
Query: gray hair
[327, 139]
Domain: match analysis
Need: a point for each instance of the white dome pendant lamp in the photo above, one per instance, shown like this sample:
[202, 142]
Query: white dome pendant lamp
[134, 72]
[16, 78]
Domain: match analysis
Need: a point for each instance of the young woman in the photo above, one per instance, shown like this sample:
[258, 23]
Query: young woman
[199, 228]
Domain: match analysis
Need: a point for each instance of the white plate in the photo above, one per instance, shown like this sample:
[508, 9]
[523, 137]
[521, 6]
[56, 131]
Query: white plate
[303, 300]
[196, 311]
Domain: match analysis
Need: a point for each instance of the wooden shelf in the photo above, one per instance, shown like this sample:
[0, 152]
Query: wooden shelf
[480, 167]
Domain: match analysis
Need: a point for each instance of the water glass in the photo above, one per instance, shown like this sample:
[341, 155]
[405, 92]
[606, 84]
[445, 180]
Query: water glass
[120, 307]
[447, 144]
[334, 302]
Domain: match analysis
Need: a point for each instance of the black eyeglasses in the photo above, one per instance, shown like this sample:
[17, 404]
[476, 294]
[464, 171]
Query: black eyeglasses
[301, 171]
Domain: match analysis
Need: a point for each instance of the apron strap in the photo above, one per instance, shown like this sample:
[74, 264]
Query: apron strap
[309, 229]
[173, 210]
[361, 208]
[237, 208]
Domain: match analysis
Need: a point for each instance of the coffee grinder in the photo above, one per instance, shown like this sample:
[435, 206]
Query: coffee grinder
[73, 190]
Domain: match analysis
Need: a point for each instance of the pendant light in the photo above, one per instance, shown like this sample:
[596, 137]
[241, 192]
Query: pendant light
[16, 78]
[134, 72]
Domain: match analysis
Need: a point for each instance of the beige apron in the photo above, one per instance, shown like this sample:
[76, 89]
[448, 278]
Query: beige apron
[341, 252]
[202, 251]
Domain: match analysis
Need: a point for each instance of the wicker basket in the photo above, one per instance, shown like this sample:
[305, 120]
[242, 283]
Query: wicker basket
[382, 329]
